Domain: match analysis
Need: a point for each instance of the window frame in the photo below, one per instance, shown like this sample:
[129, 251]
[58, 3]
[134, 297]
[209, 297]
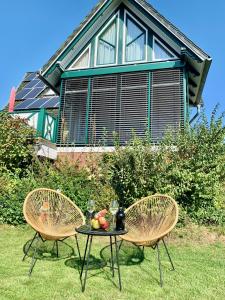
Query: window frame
[114, 18]
[155, 39]
[126, 13]
[76, 60]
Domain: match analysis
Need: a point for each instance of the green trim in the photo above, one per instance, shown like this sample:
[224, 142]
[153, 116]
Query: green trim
[59, 111]
[149, 102]
[41, 123]
[54, 135]
[123, 69]
[92, 59]
[150, 46]
[184, 100]
[80, 35]
[87, 110]
[24, 111]
[121, 28]
[187, 97]
[185, 91]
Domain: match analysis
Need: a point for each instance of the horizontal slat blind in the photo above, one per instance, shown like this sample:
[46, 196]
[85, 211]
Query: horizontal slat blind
[72, 125]
[133, 105]
[93, 108]
[103, 110]
[167, 108]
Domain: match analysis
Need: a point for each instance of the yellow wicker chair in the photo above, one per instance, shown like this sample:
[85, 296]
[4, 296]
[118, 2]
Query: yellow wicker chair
[53, 216]
[149, 220]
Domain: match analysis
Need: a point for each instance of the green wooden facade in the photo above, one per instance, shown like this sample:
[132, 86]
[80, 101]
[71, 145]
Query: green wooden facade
[125, 70]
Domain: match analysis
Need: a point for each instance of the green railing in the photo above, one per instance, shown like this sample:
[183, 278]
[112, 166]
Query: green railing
[44, 122]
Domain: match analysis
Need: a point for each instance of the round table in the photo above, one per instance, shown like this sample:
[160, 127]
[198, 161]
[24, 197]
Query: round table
[90, 233]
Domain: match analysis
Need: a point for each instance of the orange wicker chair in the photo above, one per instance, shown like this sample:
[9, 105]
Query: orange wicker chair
[53, 216]
[149, 220]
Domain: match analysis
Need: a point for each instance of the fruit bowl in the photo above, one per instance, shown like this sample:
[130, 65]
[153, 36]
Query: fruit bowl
[99, 221]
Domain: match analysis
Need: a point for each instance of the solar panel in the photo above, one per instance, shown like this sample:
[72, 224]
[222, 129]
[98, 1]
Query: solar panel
[32, 83]
[25, 104]
[52, 102]
[33, 93]
[40, 84]
[30, 76]
[22, 93]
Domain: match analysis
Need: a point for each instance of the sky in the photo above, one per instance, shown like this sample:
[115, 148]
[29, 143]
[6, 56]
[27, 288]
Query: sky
[31, 31]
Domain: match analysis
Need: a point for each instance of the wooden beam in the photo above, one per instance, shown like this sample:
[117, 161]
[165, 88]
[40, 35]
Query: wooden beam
[192, 83]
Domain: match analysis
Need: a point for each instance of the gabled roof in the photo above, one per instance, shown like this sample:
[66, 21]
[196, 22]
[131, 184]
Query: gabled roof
[74, 34]
[198, 61]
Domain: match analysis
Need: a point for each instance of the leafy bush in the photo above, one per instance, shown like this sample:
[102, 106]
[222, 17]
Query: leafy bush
[189, 166]
[72, 181]
[16, 139]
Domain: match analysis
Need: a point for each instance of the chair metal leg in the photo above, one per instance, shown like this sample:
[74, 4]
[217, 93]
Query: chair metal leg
[26, 252]
[57, 248]
[168, 254]
[34, 260]
[120, 244]
[159, 261]
[112, 257]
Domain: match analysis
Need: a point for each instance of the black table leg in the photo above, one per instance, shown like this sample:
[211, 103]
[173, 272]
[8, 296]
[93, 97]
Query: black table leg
[112, 257]
[85, 252]
[87, 264]
[118, 264]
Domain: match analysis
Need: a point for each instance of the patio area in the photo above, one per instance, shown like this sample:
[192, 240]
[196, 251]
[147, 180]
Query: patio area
[197, 252]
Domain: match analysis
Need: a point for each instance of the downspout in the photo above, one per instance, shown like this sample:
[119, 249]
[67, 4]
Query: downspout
[197, 114]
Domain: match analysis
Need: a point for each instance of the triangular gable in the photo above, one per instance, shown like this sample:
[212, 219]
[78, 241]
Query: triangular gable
[154, 13]
[83, 60]
[191, 54]
[161, 51]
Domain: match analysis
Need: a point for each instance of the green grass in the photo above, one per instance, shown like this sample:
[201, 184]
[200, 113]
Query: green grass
[200, 269]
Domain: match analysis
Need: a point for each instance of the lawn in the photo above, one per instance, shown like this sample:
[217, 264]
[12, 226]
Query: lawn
[198, 255]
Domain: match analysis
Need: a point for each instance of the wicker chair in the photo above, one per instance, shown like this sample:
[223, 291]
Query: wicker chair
[53, 216]
[149, 220]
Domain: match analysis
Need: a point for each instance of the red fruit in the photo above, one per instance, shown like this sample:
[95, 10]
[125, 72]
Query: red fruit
[102, 213]
[105, 225]
[102, 220]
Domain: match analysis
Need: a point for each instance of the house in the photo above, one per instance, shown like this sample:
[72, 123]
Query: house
[125, 69]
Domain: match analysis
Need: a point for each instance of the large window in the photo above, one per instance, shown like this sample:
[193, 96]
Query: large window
[135, 40]
[93, 108]
[106, 50]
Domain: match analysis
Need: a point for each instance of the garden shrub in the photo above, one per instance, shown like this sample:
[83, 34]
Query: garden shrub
[16, 143]
[189, 166]
[74, 182]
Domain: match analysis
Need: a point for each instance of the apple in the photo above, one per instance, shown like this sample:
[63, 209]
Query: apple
[105, 225]
[102, 220]
[95, 224]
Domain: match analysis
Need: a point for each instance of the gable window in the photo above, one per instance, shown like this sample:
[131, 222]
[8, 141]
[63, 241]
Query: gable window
[135, 40]
[107, 44]
[83, 61]
[161, 52]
